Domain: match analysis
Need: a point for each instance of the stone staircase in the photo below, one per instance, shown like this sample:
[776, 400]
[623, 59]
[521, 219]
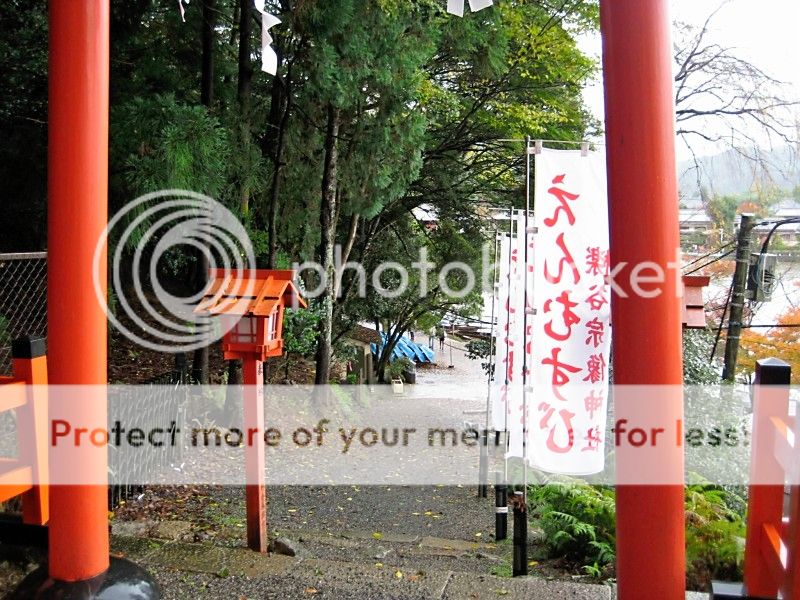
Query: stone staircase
[351, 564]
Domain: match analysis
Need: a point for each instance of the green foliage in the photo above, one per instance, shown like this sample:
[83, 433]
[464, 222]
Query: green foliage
[722, 210]
[715, 532]
[5, 337]
[422, 98]
[23, 124]
[697, 370]
[300, 331]
[578, 521]
[480, 350]
[399, 366]
[165, 144]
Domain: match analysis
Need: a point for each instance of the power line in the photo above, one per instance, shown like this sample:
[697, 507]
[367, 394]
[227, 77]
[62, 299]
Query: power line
[721, 322]
[719, 258]
[774, 325]
[712, 253]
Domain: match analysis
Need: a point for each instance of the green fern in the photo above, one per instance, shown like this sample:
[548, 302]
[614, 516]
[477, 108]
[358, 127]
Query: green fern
[578, 522]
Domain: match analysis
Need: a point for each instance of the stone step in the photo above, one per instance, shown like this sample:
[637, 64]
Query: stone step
[183, 569]
[372, 548]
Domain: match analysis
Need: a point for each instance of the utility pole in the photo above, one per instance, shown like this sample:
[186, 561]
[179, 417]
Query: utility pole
[737, 296]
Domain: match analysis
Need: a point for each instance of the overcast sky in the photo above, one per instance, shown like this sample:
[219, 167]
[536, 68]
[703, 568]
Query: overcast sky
[765, 32]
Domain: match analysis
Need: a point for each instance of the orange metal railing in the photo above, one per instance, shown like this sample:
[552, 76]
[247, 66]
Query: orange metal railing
[26, 393]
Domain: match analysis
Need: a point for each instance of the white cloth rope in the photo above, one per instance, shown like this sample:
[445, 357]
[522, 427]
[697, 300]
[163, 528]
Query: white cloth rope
[456, 7]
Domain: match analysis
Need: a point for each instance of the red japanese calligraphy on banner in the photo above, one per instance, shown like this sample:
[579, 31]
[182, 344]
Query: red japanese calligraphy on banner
[571, 325]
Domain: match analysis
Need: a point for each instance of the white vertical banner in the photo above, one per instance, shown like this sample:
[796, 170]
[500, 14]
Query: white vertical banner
[502, 340]
[521, 275]
[507, 377]
[571, 327]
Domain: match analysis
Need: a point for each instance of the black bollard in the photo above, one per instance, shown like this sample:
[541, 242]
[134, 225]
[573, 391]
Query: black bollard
[500, 507]
[520, 536]
[483, 466]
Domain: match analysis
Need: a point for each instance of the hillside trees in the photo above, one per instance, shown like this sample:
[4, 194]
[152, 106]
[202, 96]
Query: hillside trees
[727, 101]
[378, 107]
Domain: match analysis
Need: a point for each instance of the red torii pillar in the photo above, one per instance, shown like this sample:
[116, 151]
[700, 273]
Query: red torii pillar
[643, 201]
[77, 189]
[79, 563]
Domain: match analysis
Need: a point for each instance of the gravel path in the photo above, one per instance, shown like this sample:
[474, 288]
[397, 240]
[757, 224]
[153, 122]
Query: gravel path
[441, 511]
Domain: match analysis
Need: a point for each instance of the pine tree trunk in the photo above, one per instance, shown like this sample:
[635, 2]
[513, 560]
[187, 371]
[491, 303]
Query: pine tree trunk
[244, 87]
[280, 108]
[232, 412]
[207, 36]
[327, 221]
[200, 359]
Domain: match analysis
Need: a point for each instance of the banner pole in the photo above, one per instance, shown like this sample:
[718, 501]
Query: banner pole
[483, 467]
[525, 279]
[507, 333]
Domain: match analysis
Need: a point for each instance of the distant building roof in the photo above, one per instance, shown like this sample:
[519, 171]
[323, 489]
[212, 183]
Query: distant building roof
[693, 217]
[365, 335]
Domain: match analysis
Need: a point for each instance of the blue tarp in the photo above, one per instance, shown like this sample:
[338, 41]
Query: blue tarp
[419, 353]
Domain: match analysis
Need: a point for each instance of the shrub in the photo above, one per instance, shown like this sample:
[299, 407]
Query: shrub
[578, 521]
[481, 350]
[399, 366]
[715, 531]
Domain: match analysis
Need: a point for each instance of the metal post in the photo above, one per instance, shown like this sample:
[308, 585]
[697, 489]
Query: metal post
[450, 343]
[520, 566]
[507, 333]
[483, 465]
[525, 309]
[737, 295]
[500, 507]
[640, 145]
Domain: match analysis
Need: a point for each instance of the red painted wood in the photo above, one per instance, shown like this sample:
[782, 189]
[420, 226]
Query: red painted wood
[77, 216]
[32, 419]
[765, 499]
[255, 455]
[643, 202]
